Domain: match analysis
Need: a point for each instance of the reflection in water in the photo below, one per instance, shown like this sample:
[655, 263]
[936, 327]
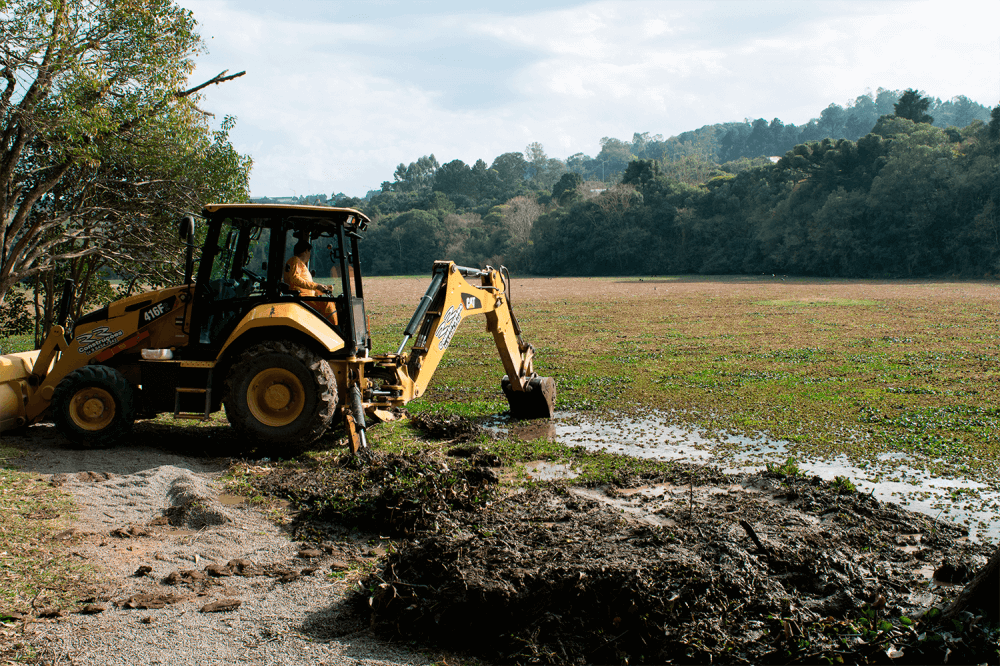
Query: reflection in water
[960, 500]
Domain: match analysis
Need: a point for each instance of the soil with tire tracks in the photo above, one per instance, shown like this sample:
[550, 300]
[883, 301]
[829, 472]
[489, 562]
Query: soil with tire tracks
[186, 575]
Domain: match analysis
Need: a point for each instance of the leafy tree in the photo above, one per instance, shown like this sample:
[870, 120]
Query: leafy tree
[455, 177]
[614, 157]
[565, 191]
[488, 240]
[408, 243]
[994, 126]
[832, 121]
[437, 201]
[885, 101]
[641, 172]
[537, 161]
[959, 111]
[646, 145]
[861, 117]
[913, 107]
[485, 181]
[416, 177]
[579, 163]
[94, 118]
[511, 171]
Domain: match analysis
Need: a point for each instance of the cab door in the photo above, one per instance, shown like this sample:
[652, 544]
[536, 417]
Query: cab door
[232, 279]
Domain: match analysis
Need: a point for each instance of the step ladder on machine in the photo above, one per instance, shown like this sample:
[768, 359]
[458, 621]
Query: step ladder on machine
[197, 416]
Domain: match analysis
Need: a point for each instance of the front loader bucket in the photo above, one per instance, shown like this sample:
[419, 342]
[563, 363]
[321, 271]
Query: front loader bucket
[14, 371]
[537, 402]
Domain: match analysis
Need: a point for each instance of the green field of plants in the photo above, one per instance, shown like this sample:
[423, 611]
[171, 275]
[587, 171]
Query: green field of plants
[858, 368]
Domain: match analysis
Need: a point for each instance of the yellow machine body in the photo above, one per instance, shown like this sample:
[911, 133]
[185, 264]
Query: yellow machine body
[152, 320]
[281, 359]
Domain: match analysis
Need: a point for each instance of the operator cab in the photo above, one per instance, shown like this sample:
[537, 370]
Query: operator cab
[245, 251]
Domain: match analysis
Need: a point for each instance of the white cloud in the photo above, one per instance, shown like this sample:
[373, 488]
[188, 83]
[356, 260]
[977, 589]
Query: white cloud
[334, 99]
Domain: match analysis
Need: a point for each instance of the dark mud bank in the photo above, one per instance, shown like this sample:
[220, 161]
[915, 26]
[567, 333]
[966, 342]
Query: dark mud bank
[796, 574]
[688, 567]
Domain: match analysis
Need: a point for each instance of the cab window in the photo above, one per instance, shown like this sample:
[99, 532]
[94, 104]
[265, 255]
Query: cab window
[324, 259]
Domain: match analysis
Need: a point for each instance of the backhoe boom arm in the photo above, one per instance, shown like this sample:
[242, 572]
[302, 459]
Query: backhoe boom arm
[449, 300]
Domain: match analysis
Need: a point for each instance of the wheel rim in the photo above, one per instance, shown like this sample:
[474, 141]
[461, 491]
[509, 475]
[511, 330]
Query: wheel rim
[276, 397]
[92, 409]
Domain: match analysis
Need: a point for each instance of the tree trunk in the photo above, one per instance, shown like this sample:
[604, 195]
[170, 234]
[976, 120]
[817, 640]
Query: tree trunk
[982, 594]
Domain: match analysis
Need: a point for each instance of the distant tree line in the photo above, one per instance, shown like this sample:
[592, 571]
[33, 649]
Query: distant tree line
[903, 198]
[907, 199]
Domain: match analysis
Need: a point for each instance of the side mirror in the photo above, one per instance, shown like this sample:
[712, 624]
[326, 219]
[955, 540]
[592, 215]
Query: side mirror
[185, 229]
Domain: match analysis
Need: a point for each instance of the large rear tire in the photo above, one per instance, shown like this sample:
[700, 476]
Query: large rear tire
[280, 393]
[93, 406]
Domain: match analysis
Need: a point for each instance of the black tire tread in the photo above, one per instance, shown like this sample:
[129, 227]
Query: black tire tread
[104, 377]
[326, 385]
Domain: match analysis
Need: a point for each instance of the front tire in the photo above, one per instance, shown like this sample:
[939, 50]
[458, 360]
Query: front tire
[93, 406]
[280, 393]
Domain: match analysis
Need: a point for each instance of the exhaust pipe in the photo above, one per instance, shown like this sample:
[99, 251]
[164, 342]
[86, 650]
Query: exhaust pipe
[185, 229]
[64, 302]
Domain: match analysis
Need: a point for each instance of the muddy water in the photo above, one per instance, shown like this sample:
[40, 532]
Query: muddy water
[963, 501]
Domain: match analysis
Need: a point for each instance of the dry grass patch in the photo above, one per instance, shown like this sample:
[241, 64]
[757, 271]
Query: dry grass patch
[37, 571]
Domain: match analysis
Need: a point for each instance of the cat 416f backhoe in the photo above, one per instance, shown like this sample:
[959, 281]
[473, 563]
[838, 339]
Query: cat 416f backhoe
[283, 362]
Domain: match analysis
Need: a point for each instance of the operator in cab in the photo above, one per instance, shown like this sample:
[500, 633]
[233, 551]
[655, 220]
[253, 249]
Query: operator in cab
[297, 276]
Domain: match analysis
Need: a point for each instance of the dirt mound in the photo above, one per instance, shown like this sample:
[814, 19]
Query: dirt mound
[683, 564]
[763, 570]
[193, 504]
[454, 427]
[390, 494]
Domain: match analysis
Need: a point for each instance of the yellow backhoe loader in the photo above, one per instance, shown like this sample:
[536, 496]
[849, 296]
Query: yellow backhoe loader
[282, 362]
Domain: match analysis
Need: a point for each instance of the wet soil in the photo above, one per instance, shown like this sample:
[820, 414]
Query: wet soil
[682, 564]
[687, 566]
[749, 573]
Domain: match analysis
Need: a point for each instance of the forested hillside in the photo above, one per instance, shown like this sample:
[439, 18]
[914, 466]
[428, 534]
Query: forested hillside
[895, 184]
[907, 199]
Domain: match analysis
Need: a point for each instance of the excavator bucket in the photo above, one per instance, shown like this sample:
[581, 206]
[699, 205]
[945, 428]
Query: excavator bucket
[538, 401]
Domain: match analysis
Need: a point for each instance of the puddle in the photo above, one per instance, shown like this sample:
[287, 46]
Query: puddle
[959, 500]
[625, 507]
[231, 500]
[543, 470]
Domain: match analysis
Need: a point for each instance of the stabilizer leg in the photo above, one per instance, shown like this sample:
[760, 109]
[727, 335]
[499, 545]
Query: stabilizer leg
[356, 422]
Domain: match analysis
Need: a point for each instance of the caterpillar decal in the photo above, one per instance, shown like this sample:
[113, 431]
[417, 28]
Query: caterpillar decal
[446, 330]
[471, 302]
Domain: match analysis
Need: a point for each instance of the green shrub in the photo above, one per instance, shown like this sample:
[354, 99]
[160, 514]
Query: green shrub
[15, 317]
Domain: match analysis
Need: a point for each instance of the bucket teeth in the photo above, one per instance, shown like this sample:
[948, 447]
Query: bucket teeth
[537, 402]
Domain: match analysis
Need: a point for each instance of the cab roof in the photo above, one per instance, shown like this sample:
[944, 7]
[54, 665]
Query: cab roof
[351, 219]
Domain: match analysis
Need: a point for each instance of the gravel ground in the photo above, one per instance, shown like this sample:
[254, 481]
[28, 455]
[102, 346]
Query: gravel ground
[289, 604]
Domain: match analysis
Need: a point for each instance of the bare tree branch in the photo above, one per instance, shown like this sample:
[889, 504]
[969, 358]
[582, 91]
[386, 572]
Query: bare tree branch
[218, 78]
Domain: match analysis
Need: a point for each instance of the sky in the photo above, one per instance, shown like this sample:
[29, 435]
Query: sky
[336, 94]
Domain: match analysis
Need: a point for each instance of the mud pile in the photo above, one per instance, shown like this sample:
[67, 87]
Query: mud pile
[763, 572]
[679, 567]
[390, 494]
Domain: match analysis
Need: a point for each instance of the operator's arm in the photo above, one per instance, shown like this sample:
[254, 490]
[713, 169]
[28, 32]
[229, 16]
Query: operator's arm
[298, 277]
